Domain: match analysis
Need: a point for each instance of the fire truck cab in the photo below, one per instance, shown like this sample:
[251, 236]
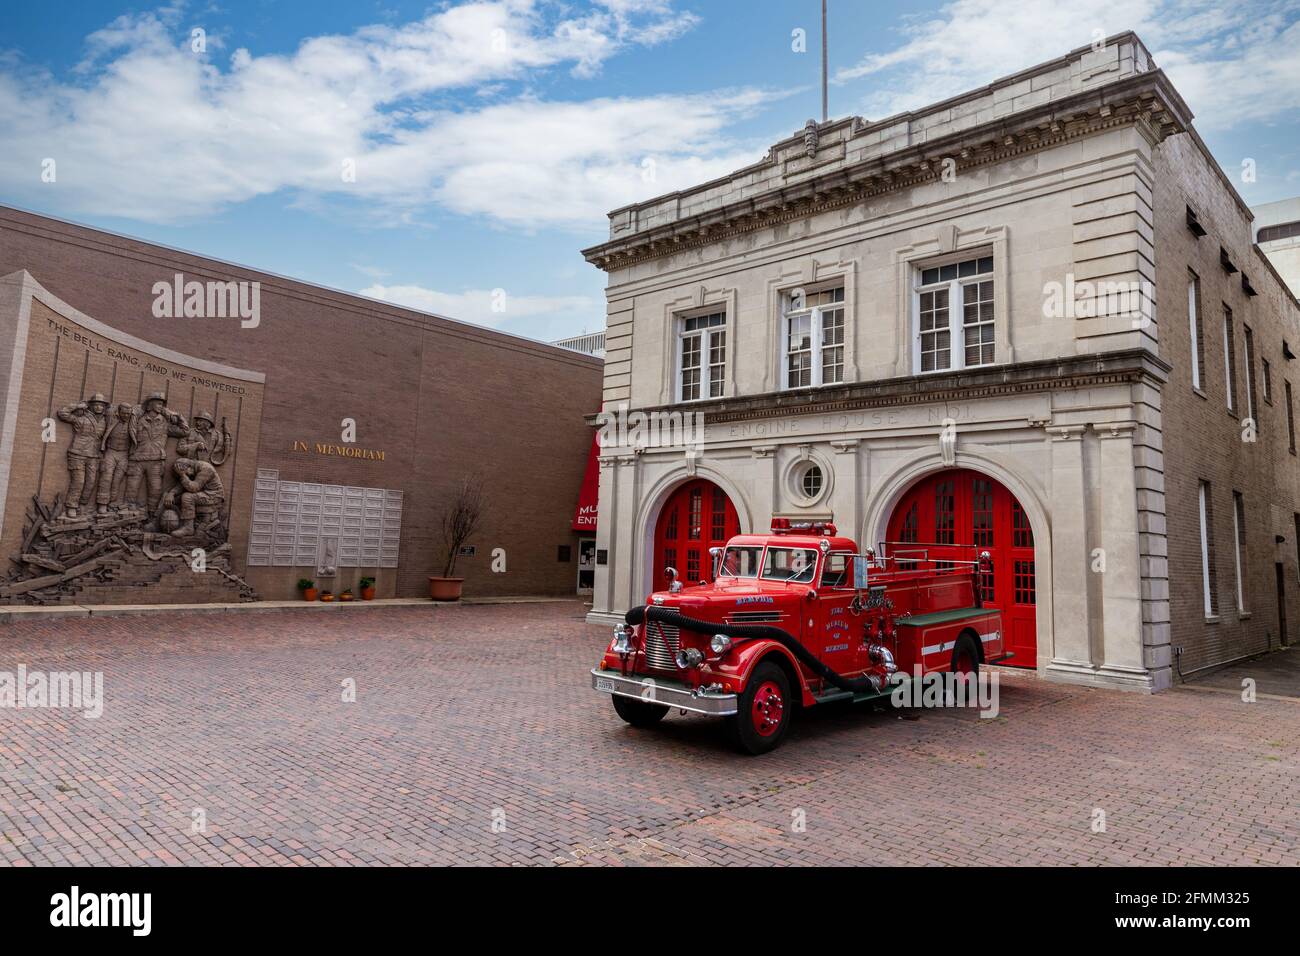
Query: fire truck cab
[793, 618]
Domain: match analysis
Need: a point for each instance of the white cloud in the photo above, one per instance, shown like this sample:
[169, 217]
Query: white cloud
[540, 317]
[147, 129]
[1233, 63]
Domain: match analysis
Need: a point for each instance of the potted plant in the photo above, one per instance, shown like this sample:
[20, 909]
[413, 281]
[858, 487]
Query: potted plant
[345, 594]
[459, 522]
[327, 596]
[367, 586]
[308, 588]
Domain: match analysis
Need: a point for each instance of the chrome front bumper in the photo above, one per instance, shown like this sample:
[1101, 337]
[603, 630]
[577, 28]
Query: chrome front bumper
[669, 693]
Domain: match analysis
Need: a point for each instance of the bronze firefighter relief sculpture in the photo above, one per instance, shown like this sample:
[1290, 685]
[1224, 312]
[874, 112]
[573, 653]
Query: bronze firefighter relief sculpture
[145, 505]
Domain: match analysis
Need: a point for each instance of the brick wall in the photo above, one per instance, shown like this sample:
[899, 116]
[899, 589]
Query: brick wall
[1203, 441]
[440, 398]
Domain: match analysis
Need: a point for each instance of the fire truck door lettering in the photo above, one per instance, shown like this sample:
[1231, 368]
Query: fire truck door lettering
[836, 647]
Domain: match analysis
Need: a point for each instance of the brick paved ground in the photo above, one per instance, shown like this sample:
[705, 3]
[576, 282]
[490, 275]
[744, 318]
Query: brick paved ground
[464, 711]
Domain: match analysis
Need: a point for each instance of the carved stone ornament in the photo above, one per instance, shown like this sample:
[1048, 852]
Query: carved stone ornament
[810, 136]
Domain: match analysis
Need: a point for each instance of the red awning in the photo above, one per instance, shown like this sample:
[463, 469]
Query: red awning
[584, 519]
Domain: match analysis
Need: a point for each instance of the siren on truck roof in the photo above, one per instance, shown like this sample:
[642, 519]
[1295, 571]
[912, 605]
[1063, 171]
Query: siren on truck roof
[786, 526]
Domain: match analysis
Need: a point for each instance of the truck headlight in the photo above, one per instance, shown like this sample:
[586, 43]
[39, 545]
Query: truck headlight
[720, 644]
[690, 657]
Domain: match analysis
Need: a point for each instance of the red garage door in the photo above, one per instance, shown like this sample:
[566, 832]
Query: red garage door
[962, 507]
[698, 516]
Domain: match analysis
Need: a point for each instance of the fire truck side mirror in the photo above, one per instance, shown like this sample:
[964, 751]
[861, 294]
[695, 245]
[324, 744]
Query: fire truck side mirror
[716, 554]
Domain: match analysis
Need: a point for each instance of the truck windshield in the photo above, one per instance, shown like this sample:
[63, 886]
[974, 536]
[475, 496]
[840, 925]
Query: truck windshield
[790, 564]
[741, 562]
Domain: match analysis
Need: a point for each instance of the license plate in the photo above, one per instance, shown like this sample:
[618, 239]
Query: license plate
[605, 684]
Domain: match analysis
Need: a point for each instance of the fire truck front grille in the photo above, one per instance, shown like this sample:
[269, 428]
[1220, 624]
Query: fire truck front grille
[657, 655]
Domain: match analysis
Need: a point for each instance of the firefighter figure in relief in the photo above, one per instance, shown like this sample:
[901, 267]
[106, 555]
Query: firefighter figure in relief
[116, 449]
[200, 488]
[150, 427]
[88, 421]
[203, 442]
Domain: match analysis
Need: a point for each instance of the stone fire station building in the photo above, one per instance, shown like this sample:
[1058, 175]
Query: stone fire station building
[1030, 318]
[154, 403]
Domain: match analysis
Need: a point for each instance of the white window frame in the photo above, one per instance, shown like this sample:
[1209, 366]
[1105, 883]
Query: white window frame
[1239, 545]
[1229, 366]
[817, 336]
[1206, 593]
[1248, 347]
[706, 336]
[1193, 307]
[956, 311]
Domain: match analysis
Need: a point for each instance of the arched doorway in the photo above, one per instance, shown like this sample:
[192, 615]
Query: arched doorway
[696, 517]
[963, 507]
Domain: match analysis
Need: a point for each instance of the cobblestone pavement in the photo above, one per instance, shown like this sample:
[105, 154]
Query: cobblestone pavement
[473, 715]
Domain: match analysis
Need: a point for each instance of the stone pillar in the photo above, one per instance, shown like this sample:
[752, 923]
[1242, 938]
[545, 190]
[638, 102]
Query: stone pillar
[608, 534]
[848, 489]
[1071, 651]
[766, 498]
[1121, 631]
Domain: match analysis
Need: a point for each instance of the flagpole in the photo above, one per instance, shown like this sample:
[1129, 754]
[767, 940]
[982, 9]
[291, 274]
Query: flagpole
[825, 104]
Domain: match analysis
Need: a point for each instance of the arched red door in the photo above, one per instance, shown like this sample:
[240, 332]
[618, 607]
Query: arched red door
[698, 516]
[963, 507]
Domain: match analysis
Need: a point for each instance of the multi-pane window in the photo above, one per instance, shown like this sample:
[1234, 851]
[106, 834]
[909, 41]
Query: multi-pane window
[1268, 380]
[719, 530]
[945, 507]
[703, 356]
[1229, 360]
[1194, 327]
[909, 533]
[1239, 546]
[982, 530]
[1022, 535]
[670, 532]
[1249, 339]
[1209, 585]
[695, 508]
[814, 338]
[954, 319]
[1023, 582]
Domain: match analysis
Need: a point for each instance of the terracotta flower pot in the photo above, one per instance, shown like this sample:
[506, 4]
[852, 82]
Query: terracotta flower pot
[309, 594]
[368, 594]
[327, 597]
[445, 589]
[345, 596]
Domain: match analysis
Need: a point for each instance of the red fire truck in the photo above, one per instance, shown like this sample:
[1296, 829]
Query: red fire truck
[796, 618]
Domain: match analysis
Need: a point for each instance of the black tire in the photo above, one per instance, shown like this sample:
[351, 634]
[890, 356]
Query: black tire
[965, 646]
[639, 713]
[742, 728]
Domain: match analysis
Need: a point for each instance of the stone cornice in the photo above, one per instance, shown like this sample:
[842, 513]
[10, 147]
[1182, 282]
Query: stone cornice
[1146, 99]
[1080, 371]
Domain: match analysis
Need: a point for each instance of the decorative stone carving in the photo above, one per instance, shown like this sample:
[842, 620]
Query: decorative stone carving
[810, 136]
[144, 515]
[149, 429]
[88, 423]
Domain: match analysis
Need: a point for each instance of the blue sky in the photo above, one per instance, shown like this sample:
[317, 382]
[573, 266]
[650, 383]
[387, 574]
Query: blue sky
[488, 139]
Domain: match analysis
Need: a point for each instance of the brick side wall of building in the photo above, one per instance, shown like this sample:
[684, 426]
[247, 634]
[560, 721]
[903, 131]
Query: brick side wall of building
[439, 398]
[1203, 441]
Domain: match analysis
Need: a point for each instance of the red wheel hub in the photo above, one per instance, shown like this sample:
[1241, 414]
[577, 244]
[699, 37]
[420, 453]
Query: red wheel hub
[768, 709]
